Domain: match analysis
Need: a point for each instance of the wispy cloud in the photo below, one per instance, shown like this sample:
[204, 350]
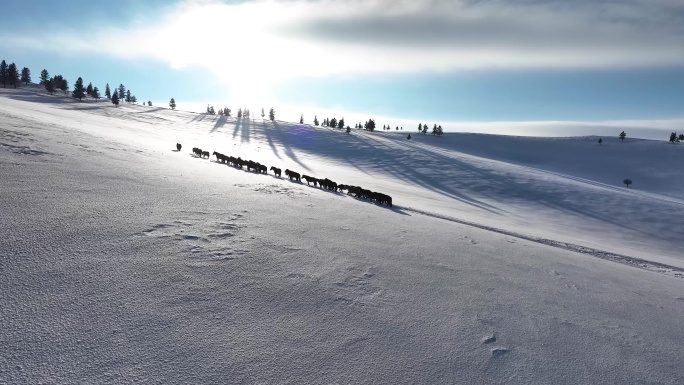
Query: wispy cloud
[255, 43]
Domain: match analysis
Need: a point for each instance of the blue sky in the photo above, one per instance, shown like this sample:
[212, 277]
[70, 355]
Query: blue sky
[437, 61]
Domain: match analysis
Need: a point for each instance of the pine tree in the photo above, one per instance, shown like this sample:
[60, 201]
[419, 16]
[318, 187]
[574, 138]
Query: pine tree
[26, 75]
[13, 75]
[96, 93]
[128, 96]
[149, 103]
[172, 104]
[58, 82]
[370, 125]
[673, 137]
[425, 127]
[122, 91]
[262, 113]
[50, 87]
[681, 137]
[315, 120]
[89, 89]
[63, 84]
[134, 100]
[115, 98]
[301, 119]
[439, 130]
[79, 90]
[434, 129]
[622, 135]
[600, 141]
[420, 127]
[271, 114]
[4, 74]
[340, 124]
[44, 77]
[108, 92]
[239, 115]
[227, 111]
[332, 123]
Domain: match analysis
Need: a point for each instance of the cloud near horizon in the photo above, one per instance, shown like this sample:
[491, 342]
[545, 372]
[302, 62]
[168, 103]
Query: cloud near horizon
[256, 43]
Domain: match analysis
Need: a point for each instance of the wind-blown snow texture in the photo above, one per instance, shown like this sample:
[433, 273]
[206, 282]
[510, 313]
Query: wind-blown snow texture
[123, 260]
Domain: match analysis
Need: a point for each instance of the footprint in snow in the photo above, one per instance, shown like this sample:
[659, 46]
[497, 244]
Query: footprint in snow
[489, 340]
[500, 352]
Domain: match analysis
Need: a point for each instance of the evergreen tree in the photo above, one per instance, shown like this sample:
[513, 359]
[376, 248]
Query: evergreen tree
[370, 125]
[420, 127]
[134, 100]
[315, 120]
[50, 87]
[149, 103]
[622, 136]
[26, 75]
[239, 115]
[627, 182]
[58, 82]
[340, 124]
[122, 91]
[115, 98]
[681, 137]
[301, 119]
[96, 93]
[128, 96]
[348, 129]
[332, 123]
[600, 141]
[4, 74]
[439, 130]
[108, 92]
[227, 111]
[172, 103]
[63, 85]
[425, 127]
[673, 137]
[44, 77]
[13, 75]
[271, 114]
[79, 90]
[89, 89]
[262, 113]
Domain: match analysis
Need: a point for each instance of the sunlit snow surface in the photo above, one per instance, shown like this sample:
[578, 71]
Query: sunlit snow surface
[123, 260]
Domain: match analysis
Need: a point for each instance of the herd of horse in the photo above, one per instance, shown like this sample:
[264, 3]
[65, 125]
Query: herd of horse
[325, 184]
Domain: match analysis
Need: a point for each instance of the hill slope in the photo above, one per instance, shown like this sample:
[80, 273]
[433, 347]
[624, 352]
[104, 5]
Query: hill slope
[125, 260]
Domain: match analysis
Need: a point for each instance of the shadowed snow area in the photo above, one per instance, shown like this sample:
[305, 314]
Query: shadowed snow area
[123, 260]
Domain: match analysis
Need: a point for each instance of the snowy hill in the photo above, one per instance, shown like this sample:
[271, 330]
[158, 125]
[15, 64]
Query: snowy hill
[129, 261]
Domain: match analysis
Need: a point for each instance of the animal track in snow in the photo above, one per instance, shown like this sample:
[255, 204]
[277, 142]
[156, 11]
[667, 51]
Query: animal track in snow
[489, 340]
[499, 352]
[201, 240]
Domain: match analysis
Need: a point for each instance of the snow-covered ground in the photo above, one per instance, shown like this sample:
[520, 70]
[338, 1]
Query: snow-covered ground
[123, 260]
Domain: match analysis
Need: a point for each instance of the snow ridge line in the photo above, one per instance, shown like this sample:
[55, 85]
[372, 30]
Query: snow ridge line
[619, 258]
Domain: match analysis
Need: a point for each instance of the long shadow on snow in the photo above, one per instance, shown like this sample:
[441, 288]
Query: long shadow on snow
[401, 170]
[300, 135]
[242, 127]
[498, 186]
[220, 122]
